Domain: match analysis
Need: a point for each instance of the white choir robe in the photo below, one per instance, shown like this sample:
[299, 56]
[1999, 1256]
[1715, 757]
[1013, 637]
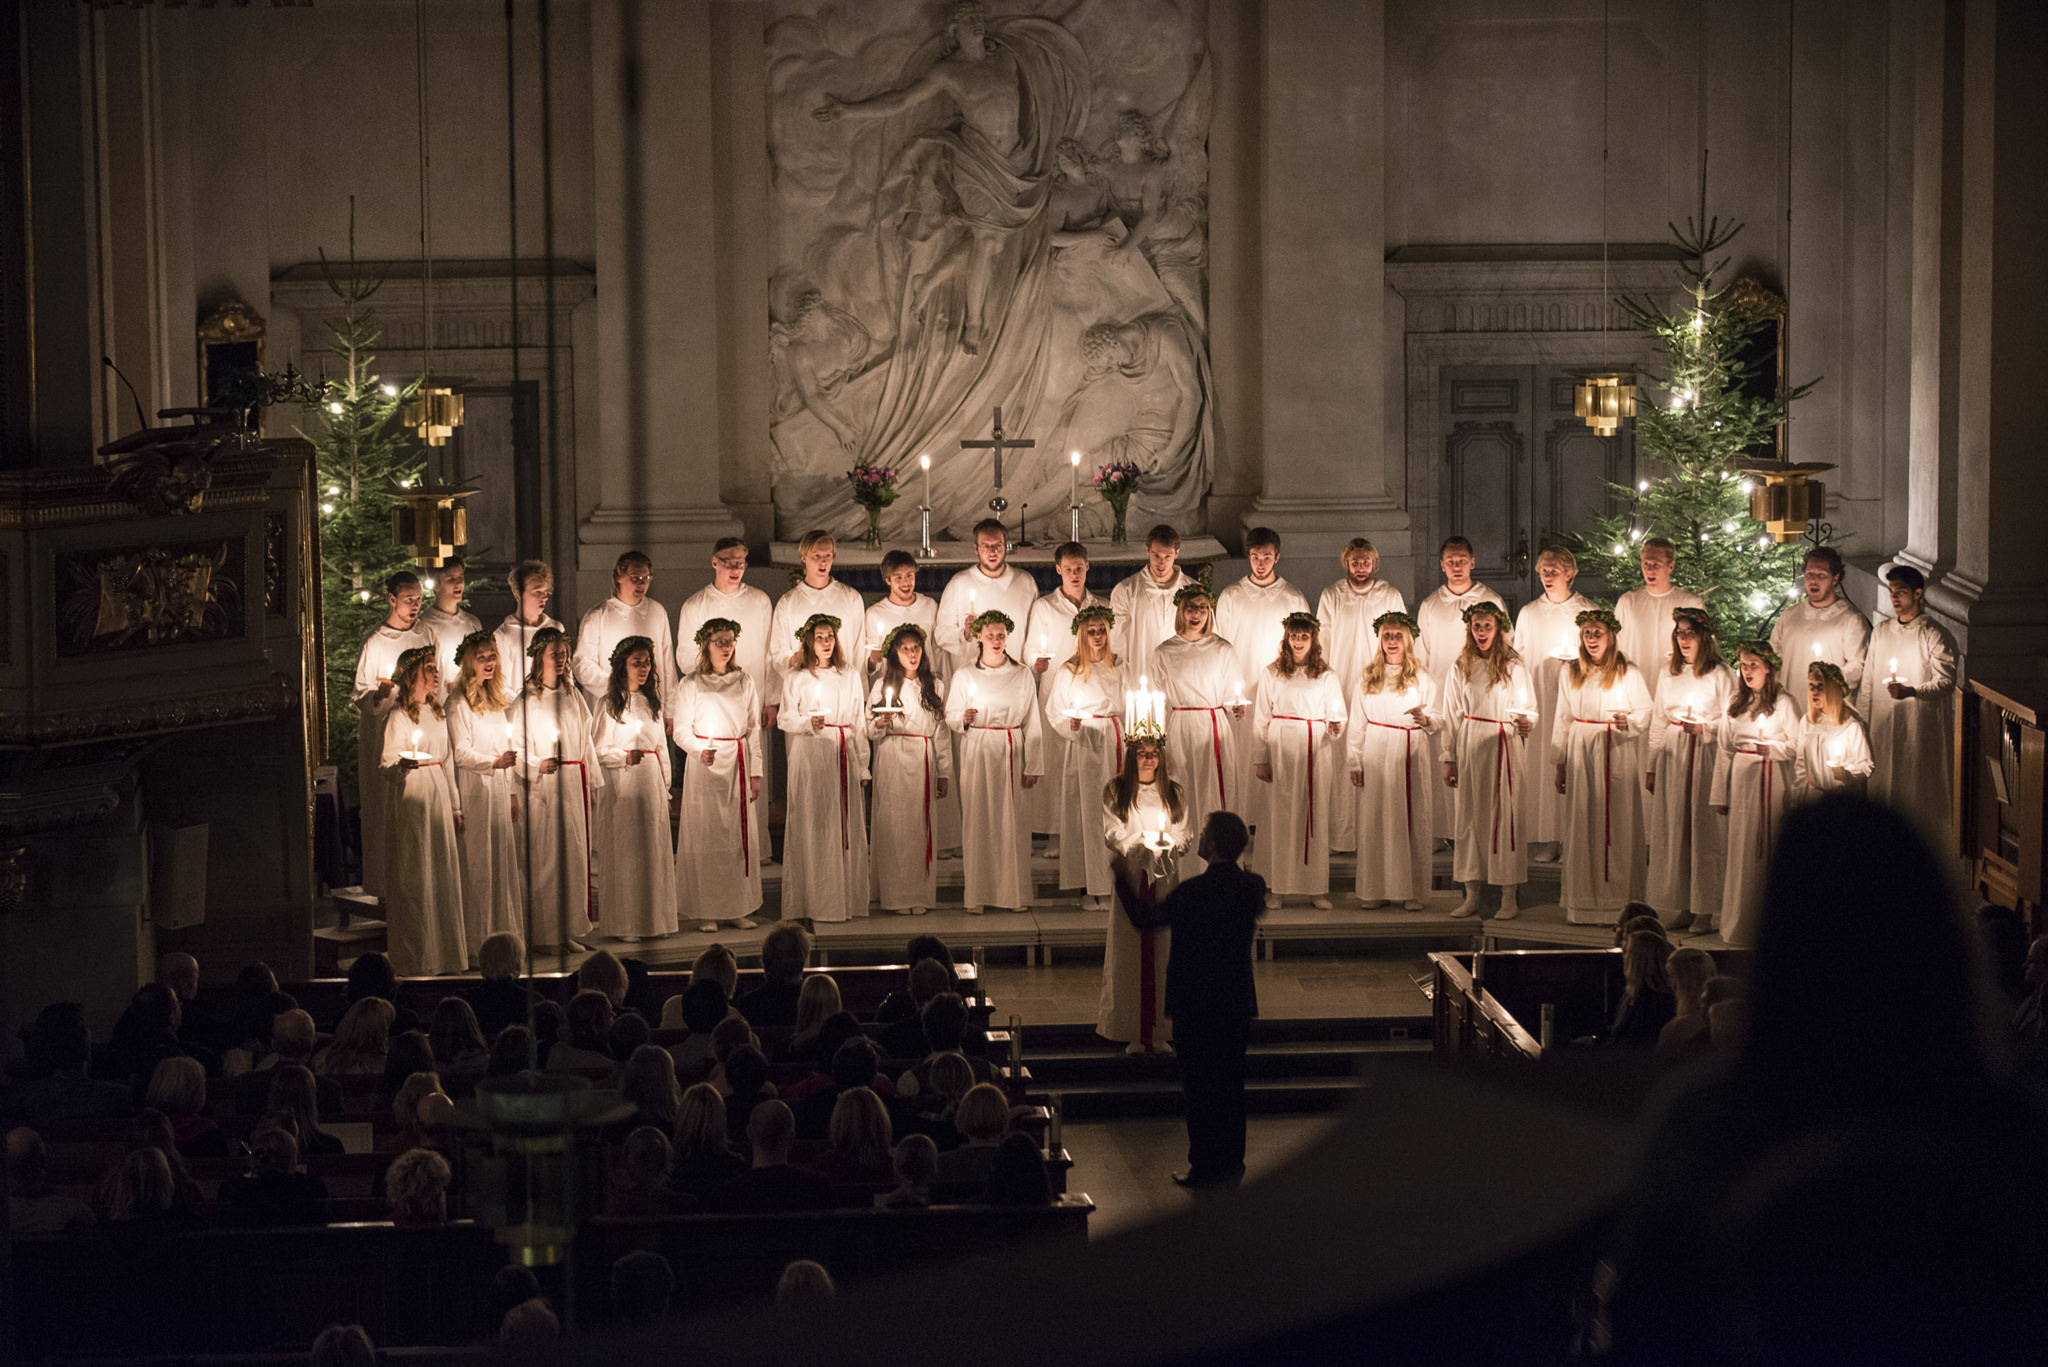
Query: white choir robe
[447, 629]
[1753, 780]
[1092, 756]
[1688, 838]
[512, 640]
[1841, 632]
[1005, 743]
[1646, 631]
[1825, 748]
[492, 878]
[1396, 757]
[1250, 617]
[423, 896]
[1050, 633]
[912, 756]
[883, 618]
[798, 606]
[376, 662]
[601, 630]
[1349, 643]
[754, 611]
[1442, 619]
[1493, 768]
[824, 831]
[1547, 639]
[720, 843]
[636, 872]
[1201, 745]
[1605, 863]
[559, 807]
[1011, 593]
[1132, 1007]
[1144, 618]
[1290, 730]
[1912, 740]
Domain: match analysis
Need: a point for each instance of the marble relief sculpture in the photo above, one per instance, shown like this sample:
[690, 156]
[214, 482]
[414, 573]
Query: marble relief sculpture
[1010, 211]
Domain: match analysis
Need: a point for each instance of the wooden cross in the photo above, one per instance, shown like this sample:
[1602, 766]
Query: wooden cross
[998, 446]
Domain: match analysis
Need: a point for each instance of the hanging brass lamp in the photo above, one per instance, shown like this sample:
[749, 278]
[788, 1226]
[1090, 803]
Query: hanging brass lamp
[429, 520]
[433, 414]
[1784, 496]
[1603, 400]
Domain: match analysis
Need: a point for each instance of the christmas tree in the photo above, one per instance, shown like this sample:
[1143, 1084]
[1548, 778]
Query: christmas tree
[362, 452]
[1705, 422]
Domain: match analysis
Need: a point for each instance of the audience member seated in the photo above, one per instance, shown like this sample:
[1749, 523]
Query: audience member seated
[178, 1089]
[702, 1161]
[1647, 1004]
[1688, 970]
[602, 972]
[729, 1034]
[805, 1286]
[418, 1112]
[511, 1285]
[457, 1042]
[817, 1003]
[717, 964]
[855, 1065]
[833, 1034]
[588, 1046]
[934, 1109]
[530, 1322]
[915, 1164]
[152, 1131]
[785, 953]
[274, 1192]
[58, 1048]
[360, 1042]
[293, 1096]
[371, 975]
[944, 1026]
[642, 1285]
[704, 1007]
[512, 1053]
[197, 1022]
[409, 1053]
[416, 1188]
[343, 1345]
[145, 1035]
[648, 1080]
[629, 1032]
[1016, 1175]
[257, 1003]
[500, 999]
[982, 1120]
[34, 1206]
[550, 1025]
[862, 1140]
[639, 1180]
[641, 998]
[1727, 1012]
[772, 1184]
[746, 1073]
[905, 1038]
[144, 1192]
[899, 1005]
[1635, 916]
[292, 1041]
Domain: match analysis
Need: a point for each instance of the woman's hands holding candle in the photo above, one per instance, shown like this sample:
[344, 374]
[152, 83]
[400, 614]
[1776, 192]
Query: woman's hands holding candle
[1450, 773]
[1560, 778]
[1523, 726]
[505, 760]
[967, 717]
[1263, 772]
[550, 764]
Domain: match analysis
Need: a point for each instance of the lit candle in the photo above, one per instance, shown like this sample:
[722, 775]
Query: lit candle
[1042, 652]
[1895, 670]
[1074, 459]
[1816, 650]
[415, 738]
[1692, 706]
[925, 464]
[970, 693]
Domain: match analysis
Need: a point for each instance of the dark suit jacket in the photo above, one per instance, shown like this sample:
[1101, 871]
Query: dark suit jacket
[1214, 917]
[498, 1003]
[771, 1006]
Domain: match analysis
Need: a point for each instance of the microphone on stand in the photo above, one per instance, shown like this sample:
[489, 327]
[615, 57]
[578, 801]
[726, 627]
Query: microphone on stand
[108, 362]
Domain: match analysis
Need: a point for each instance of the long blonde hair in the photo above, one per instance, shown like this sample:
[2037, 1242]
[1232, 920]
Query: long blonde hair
[1376, 673]
[1502, 658]
[1582, 668]
[1081, 667]
[406, 676]
[482, 695]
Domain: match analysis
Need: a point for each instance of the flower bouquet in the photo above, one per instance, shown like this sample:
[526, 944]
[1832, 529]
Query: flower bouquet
[874, 488]
[1116, 482]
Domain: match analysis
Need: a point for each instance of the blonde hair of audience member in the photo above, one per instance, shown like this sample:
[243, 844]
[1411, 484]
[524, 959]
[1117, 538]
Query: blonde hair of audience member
[500, 956]
[700, 1121]
[816, 1003]
[343, 1345]
[983, 1115]
[416, 1187]
[602, 972]
[645, 1156]
[454, 1031]
[1642, 963]
[952, 1078]
[859, 1130]
[293, 1036]
[648, 1080]
[511, 1053]
[531, 1321]
[143, 1186]
[482, 694]
[360, 1041]
[1689, 971]
[1376, 680]
[804, 1283]
[1634, 917]
[273, 1151]
[177, 1087]
[915, 1163]
[293, 1092]
[718, 965]
[1717, 993]
[771, 1130]
[417, 1087]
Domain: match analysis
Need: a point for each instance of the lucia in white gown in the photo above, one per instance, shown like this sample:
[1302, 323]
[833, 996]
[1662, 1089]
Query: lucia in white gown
[993, 707]
[1487, 720]
[1197, 671]
[1084, 715]
[1392, 762]
[1688, 855]
[1298, 757]
[1834, 749]
[719, 845]
[637, 882]
[824, 834]
[1752, 783]
[1603, 709]
[480, 735]
[1347, 609]
[1144, 818]
[423, 896]
[559, 770]
[913, 765]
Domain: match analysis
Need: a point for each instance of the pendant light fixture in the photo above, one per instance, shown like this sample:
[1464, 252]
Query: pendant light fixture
[1604, 397]
[435, 411]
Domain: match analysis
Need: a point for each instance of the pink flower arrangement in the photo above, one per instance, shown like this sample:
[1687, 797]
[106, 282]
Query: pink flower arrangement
[874, 486]
[1116, 480]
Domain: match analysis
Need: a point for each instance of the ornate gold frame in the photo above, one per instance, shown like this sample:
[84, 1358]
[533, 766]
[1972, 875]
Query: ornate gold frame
[231, 323]
[1759, 301]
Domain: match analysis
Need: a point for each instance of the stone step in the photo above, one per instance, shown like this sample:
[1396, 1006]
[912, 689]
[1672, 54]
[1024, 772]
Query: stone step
[1111, 1066]
[335, 946]
[1335, 1030]
[1162, 1097]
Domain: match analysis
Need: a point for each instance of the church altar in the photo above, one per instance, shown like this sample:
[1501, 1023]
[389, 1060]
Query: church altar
[954, 555]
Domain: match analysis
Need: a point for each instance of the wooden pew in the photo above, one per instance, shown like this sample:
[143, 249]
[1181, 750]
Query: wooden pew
[1503, 1015]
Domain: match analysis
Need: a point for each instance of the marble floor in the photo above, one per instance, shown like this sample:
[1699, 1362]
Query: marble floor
[1126, 1166]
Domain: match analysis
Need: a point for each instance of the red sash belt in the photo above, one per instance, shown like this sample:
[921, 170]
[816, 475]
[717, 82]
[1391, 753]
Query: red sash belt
[924, 736]
[589, 866]
[1763, 830]
[1407, 777]
[1216, 743]
[1606, 796]
[1501, 763]
[1117, 724]
[1310, 831]
[1009, 745]
[746, 782]
[1692, 754]
[845, 833]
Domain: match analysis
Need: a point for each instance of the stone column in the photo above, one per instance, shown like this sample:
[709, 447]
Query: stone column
[1981, 330]
[1321, 251]
[663, 346]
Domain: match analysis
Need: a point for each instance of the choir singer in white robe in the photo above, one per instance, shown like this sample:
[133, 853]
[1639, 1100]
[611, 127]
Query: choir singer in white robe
[1834, 749]
[1487, 720]
[824, 833]
[1688, 855]
[1547, 638]
[1249, 614]
[1347, 610]
[1603, 708]
[423, 900]
[637, 889]
[1197, 671]
[480, 734]
[1908, 699]
[376, 663]
[913, 768]
[993, 707]
[1084, 713]
[1393, 715]
[1145, 603]
[720, 847]
[559, 770]
[1752, 781]
[1145, 819]
[1297, 748]
[1440, 624]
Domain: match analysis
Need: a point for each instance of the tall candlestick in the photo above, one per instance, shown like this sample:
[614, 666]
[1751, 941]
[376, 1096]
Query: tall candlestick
[925, 463]
[1074, 459]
